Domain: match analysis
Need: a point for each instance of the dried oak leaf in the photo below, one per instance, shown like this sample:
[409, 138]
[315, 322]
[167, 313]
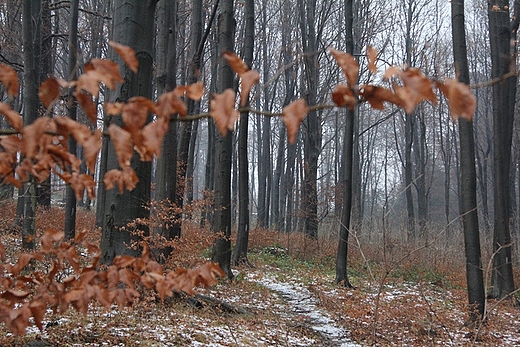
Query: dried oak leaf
[249, 79]
[193, 91]
[9, 79]
[48, 238]
[416, 87]
[88, 105]
[377, 95]
[13, 117]
[78, 298]
[8, 163]
[223, 111]
[348, 65]
[127, 54]
[460, 99]
[49, 91]
[23, 260]
[81, 182]
[135, 113]
[96, 71]
[38, 309]
[342, 95]
[66, 125]
[123, 178]
[114, 108]
[32, 136]
[293, 115]
[152, 136]
[169, 103]
[122, 141]
[91, 147]
[236, 63]
[372, 58]
[14, 295]
[11, 144]
[18, 319]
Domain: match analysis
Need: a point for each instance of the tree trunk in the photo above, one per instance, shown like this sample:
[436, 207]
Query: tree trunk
[347, 168]
[307, 11]
[70, 200]
[468, 190]
[31, 33]
[504, 92]
[240, 251]
[133, 22]
[223, 148]
[166, 169]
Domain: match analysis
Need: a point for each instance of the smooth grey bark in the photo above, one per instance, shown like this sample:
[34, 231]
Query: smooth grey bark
[43, 189]
[468, 189]
[311, 124]
[223, 148]
[347, 168]
[166, 169]
[241, 246]
[31, 46]
[504, 93]
[133, 21]
[70, 199]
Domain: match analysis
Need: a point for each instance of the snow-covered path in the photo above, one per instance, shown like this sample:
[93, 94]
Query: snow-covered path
[302, 303]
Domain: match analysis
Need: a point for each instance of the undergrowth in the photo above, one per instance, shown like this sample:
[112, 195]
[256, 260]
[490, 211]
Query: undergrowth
[420, 295]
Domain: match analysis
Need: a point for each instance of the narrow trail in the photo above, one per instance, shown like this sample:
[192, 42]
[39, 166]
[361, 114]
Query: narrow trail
[302, 303]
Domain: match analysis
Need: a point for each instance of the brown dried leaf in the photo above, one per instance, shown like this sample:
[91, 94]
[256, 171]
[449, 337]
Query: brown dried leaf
[49, 91]
[391, 72]
[88, 105]
[38, 309]
[418, 86]
[135, 112]
[18, 319]
[249, 79]
[168, 104]
[13, 117]
[11, 144]
[122, 141]
[342, 95]
[2, 252]
[293, 115]
[127, 54]
[91, 146]
[114, 108]
[223, 111]
[9, 79]
[377, 95]
[113, 177]
[348, 65]
[236, 63]
[372, 58]
[96, 71]
[461, 101]
[82, 182]
[32, 136]
[23, 260]
[193, 91]
[48, 238]
[80, 132]
[152, 135]
[130, 178]
[89, 82]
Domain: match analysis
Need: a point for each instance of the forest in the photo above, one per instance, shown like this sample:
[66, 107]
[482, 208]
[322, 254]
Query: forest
[289, 172]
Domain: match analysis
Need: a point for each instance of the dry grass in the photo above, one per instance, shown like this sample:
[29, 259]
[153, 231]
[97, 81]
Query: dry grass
[405, 295]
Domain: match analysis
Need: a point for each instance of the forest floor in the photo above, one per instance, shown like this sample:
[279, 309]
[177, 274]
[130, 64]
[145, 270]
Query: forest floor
[289, 299]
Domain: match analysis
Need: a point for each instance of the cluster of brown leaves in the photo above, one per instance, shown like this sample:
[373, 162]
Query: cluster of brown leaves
[409, 87]
[43, 145]
[58, 276]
